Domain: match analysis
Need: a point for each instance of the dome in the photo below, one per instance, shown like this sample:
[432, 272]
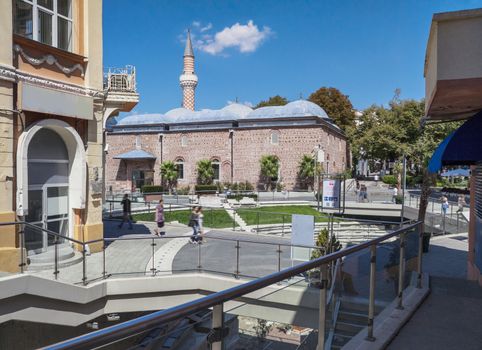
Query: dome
[230, 112]
[299, 108]
[140, 119]
[238, 109]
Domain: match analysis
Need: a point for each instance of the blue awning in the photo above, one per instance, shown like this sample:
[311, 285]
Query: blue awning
[135, 155]
[461, 147]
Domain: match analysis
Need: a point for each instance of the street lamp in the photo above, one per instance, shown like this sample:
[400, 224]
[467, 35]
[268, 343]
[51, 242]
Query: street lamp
[319, 158]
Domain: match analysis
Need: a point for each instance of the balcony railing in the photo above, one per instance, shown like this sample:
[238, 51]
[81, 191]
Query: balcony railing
[120, 79]
[362, 270]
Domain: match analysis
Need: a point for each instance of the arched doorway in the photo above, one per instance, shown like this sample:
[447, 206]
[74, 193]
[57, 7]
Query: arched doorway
[48, 189]
[51, 180]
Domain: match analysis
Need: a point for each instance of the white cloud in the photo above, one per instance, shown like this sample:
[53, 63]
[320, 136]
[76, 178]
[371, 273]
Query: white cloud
[206, 27]
[242, 37]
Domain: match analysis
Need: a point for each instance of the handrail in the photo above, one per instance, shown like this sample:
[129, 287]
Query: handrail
[144, 323]
[8, 223]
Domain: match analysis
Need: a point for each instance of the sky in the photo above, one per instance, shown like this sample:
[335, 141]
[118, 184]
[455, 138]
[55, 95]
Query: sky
[250, 50]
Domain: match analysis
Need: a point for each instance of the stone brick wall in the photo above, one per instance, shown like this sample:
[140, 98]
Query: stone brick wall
[248, 145]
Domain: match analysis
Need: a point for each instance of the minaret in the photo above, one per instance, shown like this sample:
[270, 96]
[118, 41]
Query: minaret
[188, 79]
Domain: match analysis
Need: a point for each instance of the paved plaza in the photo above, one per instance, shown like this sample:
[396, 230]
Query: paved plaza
[451, 317]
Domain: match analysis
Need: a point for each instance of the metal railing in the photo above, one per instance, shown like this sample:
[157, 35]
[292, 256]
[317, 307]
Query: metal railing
[217, 300]
[120, 79]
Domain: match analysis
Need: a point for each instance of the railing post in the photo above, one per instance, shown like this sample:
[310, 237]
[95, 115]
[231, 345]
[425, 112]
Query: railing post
[199, 266]
[84, 266]
[283, 227]
[401, 271]
[279, 257]
[56, 257]
[234, 219]
[153, 267]
[103, 260]
[322, 310]
[433, 203]
[420, 255]
[110, 210]
[22, 247]
[257, 222]
[371, 305]
[236, 273]
[215, 337]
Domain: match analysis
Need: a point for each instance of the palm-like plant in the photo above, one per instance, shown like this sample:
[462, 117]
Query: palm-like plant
[307, 170]
[205, 171]
[169, 173]
[269, 168]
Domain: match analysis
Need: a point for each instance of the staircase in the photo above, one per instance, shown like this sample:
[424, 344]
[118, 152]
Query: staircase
[240, 223]
[66, 256]
[351, 232]
[352, 319]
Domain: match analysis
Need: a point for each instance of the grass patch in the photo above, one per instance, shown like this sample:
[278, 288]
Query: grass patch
[276, 214]
[216, 218]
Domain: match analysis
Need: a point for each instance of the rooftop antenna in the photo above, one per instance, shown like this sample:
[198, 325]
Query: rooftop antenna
[301, 95]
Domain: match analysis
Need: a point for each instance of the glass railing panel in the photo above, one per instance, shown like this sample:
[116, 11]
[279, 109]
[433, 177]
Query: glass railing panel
[411, 257]
[124, 257]
[258, 259]
[279, 314]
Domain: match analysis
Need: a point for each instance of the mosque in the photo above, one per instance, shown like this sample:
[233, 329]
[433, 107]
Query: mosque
[234, 138]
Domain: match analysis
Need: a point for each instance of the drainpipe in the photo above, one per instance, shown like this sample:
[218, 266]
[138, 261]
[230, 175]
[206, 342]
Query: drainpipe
[231, 136]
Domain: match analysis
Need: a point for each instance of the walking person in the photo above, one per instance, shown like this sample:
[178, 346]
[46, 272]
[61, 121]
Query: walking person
[126, 211]
[159, 230]
[445, 205]
[201, 224]
[394, 194]
[194, 223]
[461, 203]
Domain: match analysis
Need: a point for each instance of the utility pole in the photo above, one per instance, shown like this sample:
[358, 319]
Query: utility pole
[404, 185]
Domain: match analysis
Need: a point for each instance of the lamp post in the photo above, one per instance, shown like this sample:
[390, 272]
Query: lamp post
[319, 158]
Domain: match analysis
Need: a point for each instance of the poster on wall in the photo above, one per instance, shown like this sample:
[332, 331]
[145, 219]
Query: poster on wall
[302, 234]
[331, 194]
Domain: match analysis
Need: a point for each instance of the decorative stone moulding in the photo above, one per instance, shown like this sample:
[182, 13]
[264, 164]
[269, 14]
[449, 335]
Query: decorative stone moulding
[50, 60]
[11, 74]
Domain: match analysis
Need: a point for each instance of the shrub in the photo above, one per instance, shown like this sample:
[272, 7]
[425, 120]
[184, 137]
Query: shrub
[152, 189]
[389, 180]
[240, 196]
[206, 189]
[182, 190]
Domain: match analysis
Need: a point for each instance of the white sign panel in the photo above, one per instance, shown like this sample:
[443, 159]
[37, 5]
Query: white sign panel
[331, 193]
[49, 101]
[302, 233]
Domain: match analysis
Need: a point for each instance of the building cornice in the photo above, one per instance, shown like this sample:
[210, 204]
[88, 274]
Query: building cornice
[12, 74]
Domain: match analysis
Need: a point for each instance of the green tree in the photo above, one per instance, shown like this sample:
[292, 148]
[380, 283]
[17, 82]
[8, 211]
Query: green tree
[326, 244]
[169, 173]
[276, 100]
[269, 169]
[306, 170]
[205, 172]
[337, 106]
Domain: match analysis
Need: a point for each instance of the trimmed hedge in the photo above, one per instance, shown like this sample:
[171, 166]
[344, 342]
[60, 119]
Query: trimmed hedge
[206, 188]
[152, 189]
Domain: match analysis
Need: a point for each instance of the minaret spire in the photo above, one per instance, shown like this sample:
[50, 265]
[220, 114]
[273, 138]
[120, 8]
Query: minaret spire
[188, 78]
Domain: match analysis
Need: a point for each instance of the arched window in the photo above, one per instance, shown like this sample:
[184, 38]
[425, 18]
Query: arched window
[184, 141]
[216, 167]
[180, 168]
[274, 137]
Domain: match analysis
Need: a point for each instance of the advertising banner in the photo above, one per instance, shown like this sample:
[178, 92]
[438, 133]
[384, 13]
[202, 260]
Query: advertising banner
[331, 194]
